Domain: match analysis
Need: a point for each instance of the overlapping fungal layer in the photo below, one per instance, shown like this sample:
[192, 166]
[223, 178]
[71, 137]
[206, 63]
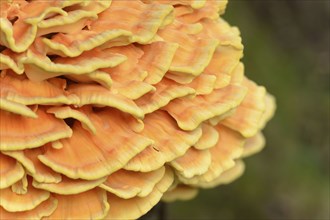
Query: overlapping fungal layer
[107, 107]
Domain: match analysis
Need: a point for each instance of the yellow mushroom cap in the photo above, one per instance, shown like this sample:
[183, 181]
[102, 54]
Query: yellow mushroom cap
[113, 105]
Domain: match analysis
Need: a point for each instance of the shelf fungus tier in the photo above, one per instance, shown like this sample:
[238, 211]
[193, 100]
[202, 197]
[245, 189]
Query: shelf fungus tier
[108, 106]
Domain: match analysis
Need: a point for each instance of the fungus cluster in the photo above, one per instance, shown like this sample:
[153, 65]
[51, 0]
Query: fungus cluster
[107, 107]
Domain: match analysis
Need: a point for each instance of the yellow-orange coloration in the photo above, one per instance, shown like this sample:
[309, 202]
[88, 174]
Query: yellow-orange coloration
[109, 106]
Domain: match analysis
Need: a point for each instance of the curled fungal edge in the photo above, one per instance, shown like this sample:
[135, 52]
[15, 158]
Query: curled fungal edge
[109, 106]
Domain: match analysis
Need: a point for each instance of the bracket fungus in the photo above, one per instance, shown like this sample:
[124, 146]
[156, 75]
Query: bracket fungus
[112, 106]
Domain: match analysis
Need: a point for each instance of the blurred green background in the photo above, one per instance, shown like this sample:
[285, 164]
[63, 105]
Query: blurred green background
[287, 51]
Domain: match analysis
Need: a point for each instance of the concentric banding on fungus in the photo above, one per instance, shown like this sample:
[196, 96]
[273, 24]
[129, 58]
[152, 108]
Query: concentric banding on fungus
[69, 186]
[20, 187]
[190, 112]
[190, 29]
[180, 192]
[39, 67]
[237, 75]
[20, 36]
[63, 22]
[100, 77]
[100, 96]
[8, 39]
[226, 177]
[248, 114]
[133, 54]
[223, 64]
[73, 45]
[67, 112]
[20, 90]
[221, 30]
[143, 20]
[92, 203]
[203, 84]
[223, 155]
[33, 132]
[138, 206]
[36, 169]
[217, 119]
[166, 91]
[11, 171]
[193, 163]
[13, 202]
[157, 59]
[128, 184]
[192, 56]
[170, 142]
[42, 210]
[209, 138]
[212, 9]
[16, 108]
[92, 157]
[132, 90]
[253, 145]
[6, 62]
[96, 6]
[45, 11]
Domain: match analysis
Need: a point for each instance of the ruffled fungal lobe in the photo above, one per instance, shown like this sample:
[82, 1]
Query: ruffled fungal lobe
[109, 106]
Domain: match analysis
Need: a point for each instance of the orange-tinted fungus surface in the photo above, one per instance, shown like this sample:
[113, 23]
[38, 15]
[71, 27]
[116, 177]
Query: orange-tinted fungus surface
[109, 106]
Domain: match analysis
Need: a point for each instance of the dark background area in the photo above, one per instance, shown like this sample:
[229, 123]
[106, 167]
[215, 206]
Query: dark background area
[287, 51]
